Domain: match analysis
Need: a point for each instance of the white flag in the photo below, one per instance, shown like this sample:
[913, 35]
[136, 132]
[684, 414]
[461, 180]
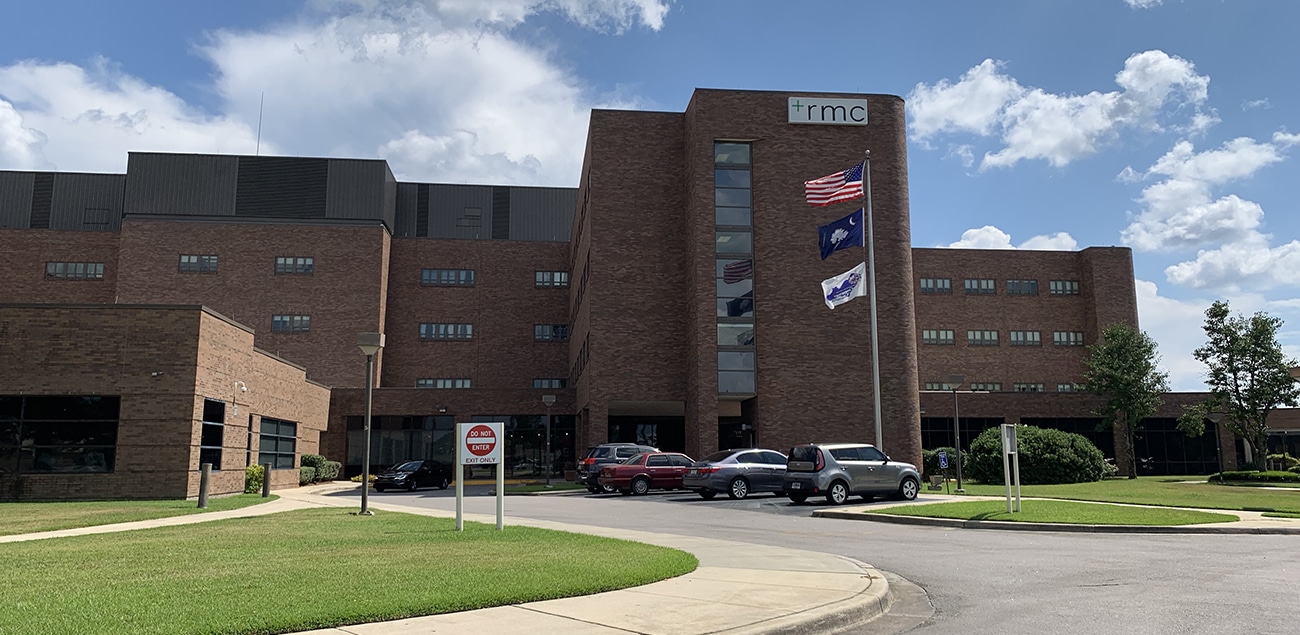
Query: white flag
[845, 287]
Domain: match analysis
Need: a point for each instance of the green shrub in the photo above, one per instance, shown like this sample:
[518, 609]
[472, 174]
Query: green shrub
[1282, 461]
[253, 479]
[312, 460]
[1047, 457]
[306, 474]
[357, 478]
[1263, 477]
[328, 471]
[930, 462]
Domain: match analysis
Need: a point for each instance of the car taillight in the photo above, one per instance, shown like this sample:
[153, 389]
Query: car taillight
[589, 462]
[821, 461]
[709, 470]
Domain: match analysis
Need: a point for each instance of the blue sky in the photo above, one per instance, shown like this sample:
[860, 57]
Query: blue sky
[1170, 126]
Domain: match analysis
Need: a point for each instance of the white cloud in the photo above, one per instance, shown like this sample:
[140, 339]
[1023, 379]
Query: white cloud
[1233, 266]
[87, 119]
[964, 153]
[1175, 325]
[1180, 211]
[20, 146]
[990, 237]
[1285, 140]
[440, 86]
[1143, 4]
[1251, 104]
[1035, 124]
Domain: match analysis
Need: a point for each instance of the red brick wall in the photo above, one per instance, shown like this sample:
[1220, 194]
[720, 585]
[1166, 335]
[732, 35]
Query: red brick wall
[162, 361]
[24, 252]
[343, 296]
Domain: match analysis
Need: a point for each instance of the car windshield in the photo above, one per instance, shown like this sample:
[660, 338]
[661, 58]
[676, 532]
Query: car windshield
[600, 452]
[409, 466]
[716, 457]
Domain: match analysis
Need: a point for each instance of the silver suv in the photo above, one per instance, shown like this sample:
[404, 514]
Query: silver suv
[840, 470]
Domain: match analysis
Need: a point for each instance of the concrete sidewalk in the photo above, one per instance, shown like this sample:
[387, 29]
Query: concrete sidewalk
[739, 588]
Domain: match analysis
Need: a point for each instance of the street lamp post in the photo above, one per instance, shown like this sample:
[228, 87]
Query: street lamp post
[370, 344]
[549, 400]
[954, 382]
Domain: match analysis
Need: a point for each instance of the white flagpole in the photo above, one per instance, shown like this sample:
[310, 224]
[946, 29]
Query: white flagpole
[871, 268]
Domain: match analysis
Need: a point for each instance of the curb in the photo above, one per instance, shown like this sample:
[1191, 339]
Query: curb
[1017, 526]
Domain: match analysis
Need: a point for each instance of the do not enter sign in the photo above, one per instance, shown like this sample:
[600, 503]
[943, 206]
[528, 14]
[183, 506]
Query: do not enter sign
[480, 443]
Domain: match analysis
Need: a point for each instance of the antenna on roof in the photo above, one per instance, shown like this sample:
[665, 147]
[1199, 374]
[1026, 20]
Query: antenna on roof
[261, 100]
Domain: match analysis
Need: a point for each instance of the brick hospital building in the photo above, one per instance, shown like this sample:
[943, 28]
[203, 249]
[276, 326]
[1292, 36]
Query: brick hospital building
[672, 298]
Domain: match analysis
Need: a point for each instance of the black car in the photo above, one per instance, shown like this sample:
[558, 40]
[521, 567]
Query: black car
[588, 468]
[413, 475]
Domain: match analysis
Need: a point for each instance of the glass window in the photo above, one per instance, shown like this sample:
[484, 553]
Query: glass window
[734, 216]
[447, 277]
[657, 460]
[550, 383]
[1063, 287]
[980, 286]
[1025, 338]
[75, 270]
[846, 454]
[981, 338]
[730, 153]
[736, 289]
[723, 197]
[679, 460]
[551, 332]
[444, 331]
[987, 387]
[749, 457]
[294, 265]
[736, 382]
[290, 323]
[773, 458]
[871, 454]
[731, 178]
[942, 337]
[733, 242]
[736, 334]
[278, 443]
[735, 360]
[1022, 287]
[58, 434]
[936, 285]
[1067, 338]
[1027, 387]
[742, 306]
[195, 263]
[551, 278]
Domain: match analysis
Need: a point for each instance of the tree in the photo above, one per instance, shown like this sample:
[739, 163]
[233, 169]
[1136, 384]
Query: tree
[1248, 377]
[1122, 368]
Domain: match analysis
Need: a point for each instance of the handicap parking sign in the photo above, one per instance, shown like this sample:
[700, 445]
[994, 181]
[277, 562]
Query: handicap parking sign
[943, 460]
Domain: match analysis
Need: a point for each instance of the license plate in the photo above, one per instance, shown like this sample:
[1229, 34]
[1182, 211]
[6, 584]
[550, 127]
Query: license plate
[693, 472]
[795, 485]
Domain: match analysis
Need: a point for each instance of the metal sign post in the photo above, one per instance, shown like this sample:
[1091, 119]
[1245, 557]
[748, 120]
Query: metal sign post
[943, 465]
[1010, 463]
[479, 444]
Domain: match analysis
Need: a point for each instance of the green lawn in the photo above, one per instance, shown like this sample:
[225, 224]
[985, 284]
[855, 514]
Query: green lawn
[1057, 511]
[26, 518]
[303, 570]
[1169, 491]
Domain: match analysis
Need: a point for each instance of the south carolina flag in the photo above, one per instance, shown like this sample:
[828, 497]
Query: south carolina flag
[845, 287]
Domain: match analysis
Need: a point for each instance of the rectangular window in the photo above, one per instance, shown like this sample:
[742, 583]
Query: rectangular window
[981, 286]
[294, 265]
[278, 443]
[212, 437]
[1067, 388]
[934, 385]
[75, 270]
[735, 334]
[1022, 287]
[551, 279]
[550, 383]
[290, 323]
[1063, 287]
[942, 337]
[936, 285]
[736, 372]
[1026, 338]
[981, 338]
[191, 263]
[443, 331]
[1027, 387]
[447, 277]
[551, 332]
[987, 386]
[443, 383]
[54, 434]
[1067, 338]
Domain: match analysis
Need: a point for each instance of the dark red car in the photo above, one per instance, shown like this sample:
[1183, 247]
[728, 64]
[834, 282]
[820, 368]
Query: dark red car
[646, 471]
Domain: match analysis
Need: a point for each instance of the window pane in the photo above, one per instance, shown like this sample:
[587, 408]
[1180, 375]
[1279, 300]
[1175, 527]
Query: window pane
[736, 382]
[724, 197]
[731, 178]
[735, 360]
[735, 290]
[734, 216]
[72, 408]
[734, 242]
[736, 334]
[736, 307]
[212, 456]
[69, 433]
[724, 152]
[212, 435]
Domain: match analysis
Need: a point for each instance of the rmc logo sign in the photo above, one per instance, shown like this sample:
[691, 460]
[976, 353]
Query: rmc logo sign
[833, 112]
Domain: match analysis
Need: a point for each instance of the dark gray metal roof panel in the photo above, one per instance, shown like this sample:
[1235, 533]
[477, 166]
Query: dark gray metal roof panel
[542, 213]
[356, 189]
[16, 199]
[88, 201]
[181, 184]
[460, 211]
[406, 210]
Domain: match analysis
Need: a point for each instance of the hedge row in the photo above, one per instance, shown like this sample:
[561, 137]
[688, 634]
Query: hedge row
[315, 469]
[1260, 477]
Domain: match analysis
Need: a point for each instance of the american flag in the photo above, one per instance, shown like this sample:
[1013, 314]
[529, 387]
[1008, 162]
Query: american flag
[734, 272]
[841, 186]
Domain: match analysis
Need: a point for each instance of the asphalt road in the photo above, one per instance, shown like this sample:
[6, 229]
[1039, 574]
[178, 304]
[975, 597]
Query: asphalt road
[982, 581]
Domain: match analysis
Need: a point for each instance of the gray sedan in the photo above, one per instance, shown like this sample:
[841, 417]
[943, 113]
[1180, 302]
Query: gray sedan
[739, 473]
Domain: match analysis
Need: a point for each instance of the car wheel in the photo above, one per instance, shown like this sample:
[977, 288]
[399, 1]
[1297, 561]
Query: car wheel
[707, 494]
[608, 489]
[739, 488]
[908, 489]
[798, 498]
[413, 485]
[443, 483]
[640, 485]
[837, 493]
